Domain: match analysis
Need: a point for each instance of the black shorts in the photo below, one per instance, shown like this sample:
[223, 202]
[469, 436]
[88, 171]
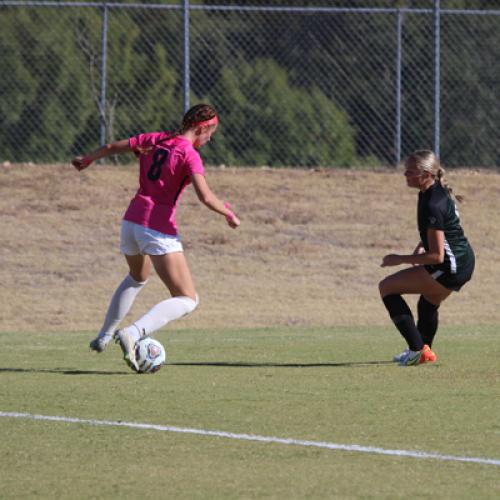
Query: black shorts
[452, 281]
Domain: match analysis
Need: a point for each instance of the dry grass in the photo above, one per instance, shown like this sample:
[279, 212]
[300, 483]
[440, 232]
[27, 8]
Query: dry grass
[307, 253]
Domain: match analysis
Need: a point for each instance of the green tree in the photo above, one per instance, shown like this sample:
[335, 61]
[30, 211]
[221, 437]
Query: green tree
[470, 79]
[267, 122]
[51, 90]
[143, 77]
[41, 87]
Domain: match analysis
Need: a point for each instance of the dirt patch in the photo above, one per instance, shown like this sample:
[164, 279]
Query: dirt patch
[307, 253]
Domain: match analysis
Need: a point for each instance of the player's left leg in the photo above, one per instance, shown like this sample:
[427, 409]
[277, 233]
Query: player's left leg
[414, 280]
[428, 305]
[123, 298]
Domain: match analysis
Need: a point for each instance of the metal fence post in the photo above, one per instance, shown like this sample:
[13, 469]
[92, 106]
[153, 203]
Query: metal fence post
[104, 52]
[186, 83]
[437, 75]
[399, 53]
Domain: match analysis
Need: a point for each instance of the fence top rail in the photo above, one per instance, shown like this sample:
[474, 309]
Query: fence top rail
[249, 8]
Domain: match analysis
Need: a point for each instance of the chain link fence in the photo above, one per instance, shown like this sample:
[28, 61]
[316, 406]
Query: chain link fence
[330, 86]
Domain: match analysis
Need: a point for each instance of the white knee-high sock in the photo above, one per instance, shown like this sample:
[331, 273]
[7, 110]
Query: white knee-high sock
[120, 305]
[161, 314]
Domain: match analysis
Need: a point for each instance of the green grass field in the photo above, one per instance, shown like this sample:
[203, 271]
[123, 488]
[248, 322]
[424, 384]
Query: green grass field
[334, 385]
[290, 341]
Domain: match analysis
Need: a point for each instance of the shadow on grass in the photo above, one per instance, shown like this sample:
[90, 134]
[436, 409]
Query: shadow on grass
[243, 364]
[221, 364]
[62, 371]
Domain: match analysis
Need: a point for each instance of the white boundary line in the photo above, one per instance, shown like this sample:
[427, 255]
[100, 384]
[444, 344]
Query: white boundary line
[252, 437]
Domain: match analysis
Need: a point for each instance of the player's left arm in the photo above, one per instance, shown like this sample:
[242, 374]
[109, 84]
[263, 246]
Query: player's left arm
[419, 248]
[113, 148]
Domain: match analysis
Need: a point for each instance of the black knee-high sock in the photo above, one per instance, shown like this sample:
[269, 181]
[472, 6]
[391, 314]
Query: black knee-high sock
[403, 319]
[428, 320]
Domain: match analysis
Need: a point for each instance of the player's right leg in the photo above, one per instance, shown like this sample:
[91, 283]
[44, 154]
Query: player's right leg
[428, 319]
[127, 345]
[173, 270]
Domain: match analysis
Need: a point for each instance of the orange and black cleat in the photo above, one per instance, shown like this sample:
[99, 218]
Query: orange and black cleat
[427, 355]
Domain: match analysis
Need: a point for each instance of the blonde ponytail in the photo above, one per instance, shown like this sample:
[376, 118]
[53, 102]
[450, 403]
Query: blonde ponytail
[440, 177]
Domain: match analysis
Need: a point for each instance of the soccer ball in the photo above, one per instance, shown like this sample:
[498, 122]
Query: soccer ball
[149, 354]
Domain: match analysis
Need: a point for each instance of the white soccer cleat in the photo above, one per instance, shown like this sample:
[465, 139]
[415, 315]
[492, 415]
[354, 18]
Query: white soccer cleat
[127, 344]
[401, 356]
[100, 343]
[411, 359]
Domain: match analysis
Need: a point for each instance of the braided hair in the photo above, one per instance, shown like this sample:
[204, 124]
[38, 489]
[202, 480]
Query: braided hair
[196, 114]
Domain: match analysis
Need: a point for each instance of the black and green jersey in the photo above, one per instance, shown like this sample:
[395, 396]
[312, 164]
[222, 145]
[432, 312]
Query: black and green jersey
[437, 210]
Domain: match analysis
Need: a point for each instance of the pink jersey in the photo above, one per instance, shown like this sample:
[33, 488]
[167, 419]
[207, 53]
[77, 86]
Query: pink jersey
[166, 167]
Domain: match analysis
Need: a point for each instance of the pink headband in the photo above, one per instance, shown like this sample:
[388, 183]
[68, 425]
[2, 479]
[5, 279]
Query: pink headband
[206, 123]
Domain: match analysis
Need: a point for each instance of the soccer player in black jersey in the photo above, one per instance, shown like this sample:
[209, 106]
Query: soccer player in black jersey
[443, 260]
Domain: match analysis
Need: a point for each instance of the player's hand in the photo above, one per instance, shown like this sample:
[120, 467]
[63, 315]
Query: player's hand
[233, 221]
[418, 251]
[81, 162]
[231, 218]
[391, 260]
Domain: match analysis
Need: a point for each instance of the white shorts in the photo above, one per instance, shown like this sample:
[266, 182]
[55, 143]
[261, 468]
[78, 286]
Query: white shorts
[136, 239]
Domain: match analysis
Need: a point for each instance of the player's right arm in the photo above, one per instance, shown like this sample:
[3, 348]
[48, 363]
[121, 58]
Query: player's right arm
[209, 199]
[113, 148]
[419, 249]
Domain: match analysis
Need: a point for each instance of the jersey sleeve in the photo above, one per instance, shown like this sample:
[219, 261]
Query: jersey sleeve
[144, 142]
[436, 216]
[193, 162]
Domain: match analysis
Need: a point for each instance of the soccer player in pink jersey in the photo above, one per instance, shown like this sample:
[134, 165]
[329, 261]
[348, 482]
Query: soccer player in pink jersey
[169, 162]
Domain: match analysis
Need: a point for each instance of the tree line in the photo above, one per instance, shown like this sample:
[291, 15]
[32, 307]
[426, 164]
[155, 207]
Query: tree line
[292, 90]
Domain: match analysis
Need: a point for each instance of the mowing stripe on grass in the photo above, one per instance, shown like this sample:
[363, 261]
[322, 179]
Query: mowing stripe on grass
[252, 437]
